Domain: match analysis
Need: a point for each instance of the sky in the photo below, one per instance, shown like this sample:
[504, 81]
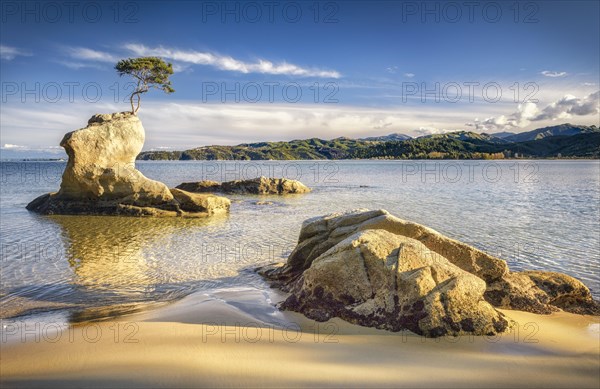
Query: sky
[250, 71]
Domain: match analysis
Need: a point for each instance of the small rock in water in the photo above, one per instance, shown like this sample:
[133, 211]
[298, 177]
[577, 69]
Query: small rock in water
[260, 186]
[264, 203]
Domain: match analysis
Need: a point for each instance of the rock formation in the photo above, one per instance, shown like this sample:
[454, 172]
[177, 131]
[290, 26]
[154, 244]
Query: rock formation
[259, 185]
[101, 178]
[374, 269]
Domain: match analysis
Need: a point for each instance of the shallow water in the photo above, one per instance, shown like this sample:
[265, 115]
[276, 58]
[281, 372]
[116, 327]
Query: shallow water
[535, 214]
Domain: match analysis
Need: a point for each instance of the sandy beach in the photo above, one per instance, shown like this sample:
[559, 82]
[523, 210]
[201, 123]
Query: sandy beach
[236, 338]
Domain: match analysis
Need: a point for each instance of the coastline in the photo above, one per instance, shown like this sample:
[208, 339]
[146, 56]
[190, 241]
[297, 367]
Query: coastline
[325, 159]
[236, 337]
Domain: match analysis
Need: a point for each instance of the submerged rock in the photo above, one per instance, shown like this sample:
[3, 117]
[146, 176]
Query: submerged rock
[259, 185]
[101, 178]
[200, 202]
[374, 269]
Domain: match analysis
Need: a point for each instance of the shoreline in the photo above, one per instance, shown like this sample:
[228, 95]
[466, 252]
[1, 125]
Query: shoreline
[323, 160]
[236, 337]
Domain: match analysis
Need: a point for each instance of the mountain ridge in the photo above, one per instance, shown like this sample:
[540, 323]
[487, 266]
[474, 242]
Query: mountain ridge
[571, 141]
[389, 137]
[566, 129]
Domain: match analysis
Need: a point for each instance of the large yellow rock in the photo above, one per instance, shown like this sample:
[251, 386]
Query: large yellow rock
[320, 233]
[102, 163]
[374, 269]
[379, 279]
[101, 178]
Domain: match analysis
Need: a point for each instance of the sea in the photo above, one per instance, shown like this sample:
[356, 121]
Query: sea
[535, 214]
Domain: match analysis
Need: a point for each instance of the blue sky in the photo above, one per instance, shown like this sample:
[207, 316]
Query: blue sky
[250, 71]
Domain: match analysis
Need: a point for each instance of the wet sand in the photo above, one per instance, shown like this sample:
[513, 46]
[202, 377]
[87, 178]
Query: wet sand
[235, 338]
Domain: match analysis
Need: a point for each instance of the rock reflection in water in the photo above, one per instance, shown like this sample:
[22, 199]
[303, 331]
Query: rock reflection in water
[114, 269]
[109, 253]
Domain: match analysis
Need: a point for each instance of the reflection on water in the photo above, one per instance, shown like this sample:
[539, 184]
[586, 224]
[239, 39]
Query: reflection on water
[108, 253]
[112, 265]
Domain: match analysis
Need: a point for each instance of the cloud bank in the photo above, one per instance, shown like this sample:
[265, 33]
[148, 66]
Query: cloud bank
[186, 57]
[526, 113]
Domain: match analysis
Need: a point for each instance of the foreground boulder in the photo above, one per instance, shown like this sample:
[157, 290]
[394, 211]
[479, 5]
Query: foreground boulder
[379, 279]
[259, 185]
[101, 179]
[321, 233]
[373, 269]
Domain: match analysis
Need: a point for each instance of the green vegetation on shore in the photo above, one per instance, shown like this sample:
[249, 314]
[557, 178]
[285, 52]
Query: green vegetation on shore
[563, 141]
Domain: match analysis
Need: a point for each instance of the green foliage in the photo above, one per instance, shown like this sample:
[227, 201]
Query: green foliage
[458, 145]
[149, 72]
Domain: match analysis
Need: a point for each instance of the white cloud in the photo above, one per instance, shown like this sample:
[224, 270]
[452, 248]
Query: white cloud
[9, 53]
[382, 125]
[183, 58]
[548, 73]
[178, 68]
[79, 65]
[9, 146]
[423, 131]
[223, 62]
[570, 105]
[394, 70]
[526, 113]
[589, 84]
[10, 151]
[85, 54]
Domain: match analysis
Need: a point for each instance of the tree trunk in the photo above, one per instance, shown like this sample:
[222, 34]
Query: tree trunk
[131, 101]
[137, 92]
[139, 98]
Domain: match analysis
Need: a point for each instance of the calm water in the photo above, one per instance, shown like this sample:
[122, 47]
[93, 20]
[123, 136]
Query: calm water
[536, 215]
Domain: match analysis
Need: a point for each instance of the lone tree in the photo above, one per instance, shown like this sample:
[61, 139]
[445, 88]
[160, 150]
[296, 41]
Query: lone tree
[150, 72]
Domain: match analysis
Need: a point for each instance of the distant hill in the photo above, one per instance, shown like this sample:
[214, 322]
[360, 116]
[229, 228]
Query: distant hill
[560, 130]
[567, 141]
[502, 135]
[582, 145]
[468, 136]
[390, 137]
